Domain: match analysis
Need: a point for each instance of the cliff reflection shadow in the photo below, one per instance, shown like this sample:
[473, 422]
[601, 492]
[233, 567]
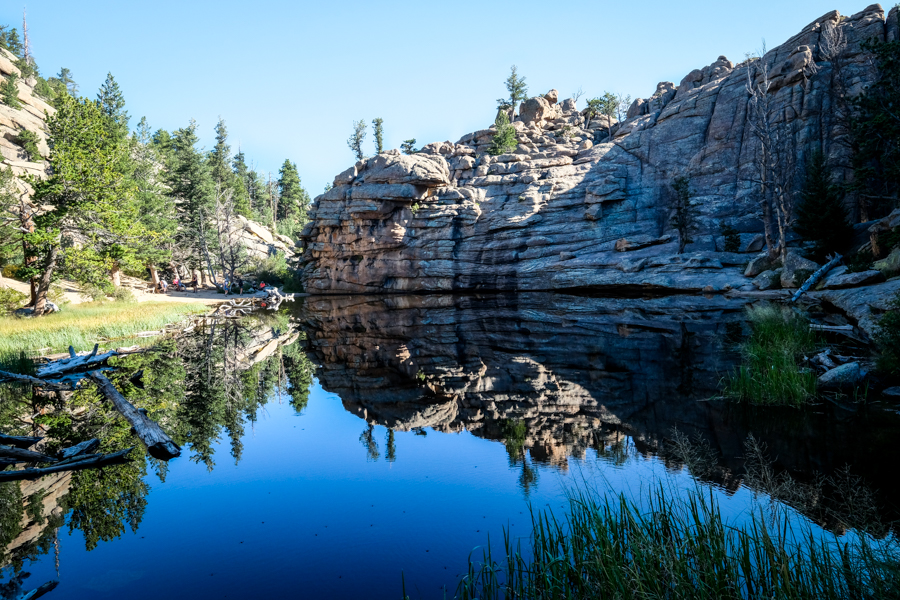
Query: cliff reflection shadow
[557, 375]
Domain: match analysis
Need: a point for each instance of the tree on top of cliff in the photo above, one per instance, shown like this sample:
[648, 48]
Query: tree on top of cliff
[408, 146]
[111, 103]
[10, 40]
[504, 140]
[356, 138]
[821, 216]
[876, 131]
[378, 129]
[518, 90]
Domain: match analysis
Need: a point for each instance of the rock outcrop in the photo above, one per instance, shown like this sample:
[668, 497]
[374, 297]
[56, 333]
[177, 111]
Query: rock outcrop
[575, 207]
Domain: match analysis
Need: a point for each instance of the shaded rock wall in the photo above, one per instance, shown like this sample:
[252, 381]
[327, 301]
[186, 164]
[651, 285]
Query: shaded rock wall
[581, 203]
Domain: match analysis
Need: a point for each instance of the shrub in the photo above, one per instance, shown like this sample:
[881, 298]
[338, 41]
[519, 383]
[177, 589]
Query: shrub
[771, 372]
[28, 140]
[732, 238]
[93, 293]
[504, 141]
[57, 296]
[860, 261]
[123, 294]
[9, 91]
[276, 271]
[887, 340]
[10, 300]
[11, 270]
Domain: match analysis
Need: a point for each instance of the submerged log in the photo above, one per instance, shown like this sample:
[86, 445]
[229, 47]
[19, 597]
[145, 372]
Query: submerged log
[74, 362]
[159, 445]
[22, 455]
[19, 441]
[79, 463]
[79, 449]
[39, 591]
[815, 277]
[7, 376]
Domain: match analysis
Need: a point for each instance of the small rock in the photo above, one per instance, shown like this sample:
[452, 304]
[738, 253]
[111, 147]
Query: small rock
[756, 244]
[768, 280]
[891, 392]
[552, 96]
[566, 256]
[842, 377]
[586, 145]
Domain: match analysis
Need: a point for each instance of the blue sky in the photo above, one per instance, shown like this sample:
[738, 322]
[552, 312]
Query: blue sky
[290, 77]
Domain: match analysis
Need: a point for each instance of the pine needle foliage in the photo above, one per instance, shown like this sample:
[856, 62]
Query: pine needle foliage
[821, 216]
[504, 140]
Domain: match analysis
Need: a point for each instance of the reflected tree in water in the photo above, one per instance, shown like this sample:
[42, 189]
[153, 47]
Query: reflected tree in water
[390, 446]
[367, 439]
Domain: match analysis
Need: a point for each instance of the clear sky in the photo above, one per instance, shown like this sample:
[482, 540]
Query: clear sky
[290, 77]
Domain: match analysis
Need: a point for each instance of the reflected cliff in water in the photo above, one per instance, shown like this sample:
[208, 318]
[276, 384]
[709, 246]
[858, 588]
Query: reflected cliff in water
[556, 375]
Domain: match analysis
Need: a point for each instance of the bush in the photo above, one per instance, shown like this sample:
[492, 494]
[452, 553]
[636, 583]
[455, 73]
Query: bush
[732, 238]
[57, 296]
[10, 300]
[93, 293]
[887, 340]
[123, 294]
[504, 141]
[29, 140]
[9, 91]
[11, 270]
[771, 371]
[860, 261]
[275, 270]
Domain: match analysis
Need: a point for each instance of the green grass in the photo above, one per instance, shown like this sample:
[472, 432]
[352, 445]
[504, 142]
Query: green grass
[83, 325]
[679, 547]
[771, 372]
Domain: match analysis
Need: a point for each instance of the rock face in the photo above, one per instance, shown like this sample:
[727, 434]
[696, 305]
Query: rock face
[561, 213]
[14, 120]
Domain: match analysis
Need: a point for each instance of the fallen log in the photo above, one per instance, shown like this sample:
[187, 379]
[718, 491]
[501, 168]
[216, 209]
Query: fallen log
[19, 441]
[74, 362]
[815, 277]
[22, 455]
[7, 376]
[90, 461]
[831, 327]
[159, 445]
[79, 449]
[39, 591]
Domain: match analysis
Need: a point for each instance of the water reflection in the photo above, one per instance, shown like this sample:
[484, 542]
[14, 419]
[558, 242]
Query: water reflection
[552, 376]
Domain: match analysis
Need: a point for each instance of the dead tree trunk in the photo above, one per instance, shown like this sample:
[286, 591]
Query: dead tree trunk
[158, 443]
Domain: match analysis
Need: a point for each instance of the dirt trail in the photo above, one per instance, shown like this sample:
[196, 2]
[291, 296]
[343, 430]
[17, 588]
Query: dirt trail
[72, 294]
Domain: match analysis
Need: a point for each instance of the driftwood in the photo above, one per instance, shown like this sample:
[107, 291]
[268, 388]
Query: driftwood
[838, 328]
[159, 445]
[74, 362]
[815, 277]
[39, 591]
[78, 463]
[19, 441]
[22, 455]
[7, 376]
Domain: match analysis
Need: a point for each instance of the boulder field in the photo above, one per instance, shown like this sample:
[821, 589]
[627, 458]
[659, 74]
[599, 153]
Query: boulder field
[584, 203]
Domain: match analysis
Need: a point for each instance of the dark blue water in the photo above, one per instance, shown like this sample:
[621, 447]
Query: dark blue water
[322, 505]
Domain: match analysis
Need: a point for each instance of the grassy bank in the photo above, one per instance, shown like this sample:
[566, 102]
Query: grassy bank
[771, 372]
[83, 325]
[679, 546]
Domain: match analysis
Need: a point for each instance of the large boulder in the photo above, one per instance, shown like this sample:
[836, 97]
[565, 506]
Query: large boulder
[768, 280]
[842, 377]
[889, 266]
[796, 270]
[839, 281]
[760, 264]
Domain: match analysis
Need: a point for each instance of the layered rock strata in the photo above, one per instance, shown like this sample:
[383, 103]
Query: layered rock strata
[584, 203]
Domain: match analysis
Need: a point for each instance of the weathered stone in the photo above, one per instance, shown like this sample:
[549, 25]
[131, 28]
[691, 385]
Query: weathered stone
[760, 264]
[848, 280]
[552, 97]
[797, 270]
[891, 392]
[889, 266]
[842, 377]
[768, 280]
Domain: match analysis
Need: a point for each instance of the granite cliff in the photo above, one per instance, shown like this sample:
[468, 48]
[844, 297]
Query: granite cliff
[584, 203]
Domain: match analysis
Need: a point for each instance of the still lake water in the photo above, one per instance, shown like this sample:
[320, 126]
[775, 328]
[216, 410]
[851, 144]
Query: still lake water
[432, 423]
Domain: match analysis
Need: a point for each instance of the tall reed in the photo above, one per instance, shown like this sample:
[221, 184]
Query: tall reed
[679, 547]
[771, 371]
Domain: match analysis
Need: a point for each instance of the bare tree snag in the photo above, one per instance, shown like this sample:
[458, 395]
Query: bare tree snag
[88, 461]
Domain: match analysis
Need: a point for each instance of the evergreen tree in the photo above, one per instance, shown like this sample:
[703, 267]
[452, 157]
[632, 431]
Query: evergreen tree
[65, 77]
[13, 43]
[293, 199]
[682, 212]
[378, 129]
[821, 217]
[9, 91]
[222, 172]
[194, 192]
[157, 211]
[112, 105]
[356, 139]
[504, 140]
[517, 89]
[408, 146]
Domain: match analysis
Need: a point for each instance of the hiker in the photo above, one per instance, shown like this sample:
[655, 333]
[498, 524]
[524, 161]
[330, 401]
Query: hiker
[239, 282]
[262, 286]
[194, 283]
[163, 286]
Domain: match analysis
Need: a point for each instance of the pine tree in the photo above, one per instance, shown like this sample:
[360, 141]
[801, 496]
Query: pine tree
[356, 139]
[13, 43]
[682, 212]
[378, 129]
[408, 146]
[291, 213]
[504, 140]
[821, 217]
[112, 105]
[193, 190]
[222, 172]
[65, 77]
[9, 91]
[517, 89]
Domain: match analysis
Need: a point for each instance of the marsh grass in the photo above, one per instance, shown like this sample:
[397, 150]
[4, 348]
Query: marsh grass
[771, 372]
[84, 325]
[678, 546]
